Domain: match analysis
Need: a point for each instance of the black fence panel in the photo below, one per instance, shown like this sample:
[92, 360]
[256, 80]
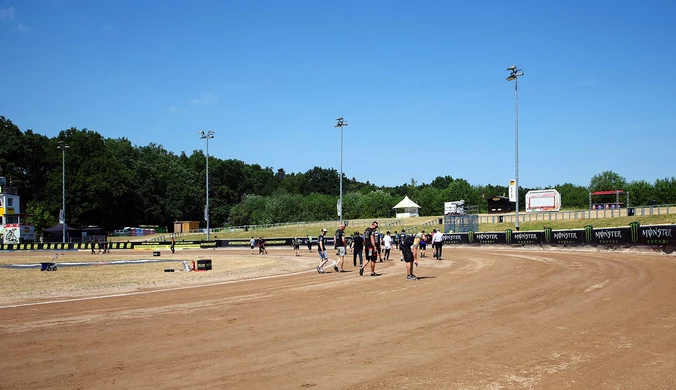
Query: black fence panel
[455, 238]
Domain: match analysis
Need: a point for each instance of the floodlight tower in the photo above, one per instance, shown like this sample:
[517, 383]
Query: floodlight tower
[63, 147]
[341, 123]
[514, 74]
[206, 136]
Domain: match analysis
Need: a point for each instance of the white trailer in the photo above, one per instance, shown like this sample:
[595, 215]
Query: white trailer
[543, 200]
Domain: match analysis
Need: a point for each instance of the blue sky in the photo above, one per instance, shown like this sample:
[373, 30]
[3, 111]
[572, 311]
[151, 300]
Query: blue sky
[421, 83]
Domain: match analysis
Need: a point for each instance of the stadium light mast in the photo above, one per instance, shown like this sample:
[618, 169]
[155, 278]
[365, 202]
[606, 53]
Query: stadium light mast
[514, 74]
[62, 217]
[206, 136]
[341, 123]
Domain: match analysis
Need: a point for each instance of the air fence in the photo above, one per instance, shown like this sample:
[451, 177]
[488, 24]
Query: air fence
[391, 223]
[661, 237]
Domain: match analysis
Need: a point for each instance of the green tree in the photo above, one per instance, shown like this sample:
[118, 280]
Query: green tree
[640, 192]
[607, 181]
[320, 207]
[665, 190]
[377, 204]
[442, 182]
[321, 181]
[39, 215]
[353, 204]
[573, 196]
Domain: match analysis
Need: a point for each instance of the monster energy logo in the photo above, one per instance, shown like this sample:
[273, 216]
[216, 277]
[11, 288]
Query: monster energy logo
[508, 235]
[487, 236]
[548, 235]
[565, 235]
[588, 233]
[634, 231]
[656, 233]
[526, 236]
[450, 238]
[605, 234]
[470, 236]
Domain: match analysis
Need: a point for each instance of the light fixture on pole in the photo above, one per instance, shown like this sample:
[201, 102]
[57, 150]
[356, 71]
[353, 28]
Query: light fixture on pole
[341, 123]
[207, 135]
[513, 76]
[62, 214]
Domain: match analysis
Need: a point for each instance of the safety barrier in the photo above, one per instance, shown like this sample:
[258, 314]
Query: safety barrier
[632, 235]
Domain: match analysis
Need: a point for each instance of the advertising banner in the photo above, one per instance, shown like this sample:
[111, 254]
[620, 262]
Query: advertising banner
[655, 235]
[524, 238]
[268, 242]
[564, 237]
[543, 200]
[166, 245]
[486, 238]
[455, 238]
[611, 236]
[11, 234]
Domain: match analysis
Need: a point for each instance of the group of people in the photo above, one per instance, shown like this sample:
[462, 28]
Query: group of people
[369, 243]
[369, 247]
[101, 245]
[436, 239]
[260, 243]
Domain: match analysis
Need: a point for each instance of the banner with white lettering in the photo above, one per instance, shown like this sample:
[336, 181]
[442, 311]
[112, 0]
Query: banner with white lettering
[656, 235]
[565, 237]
[455, 238]
[524, 238]
[486, 238]
[611, 236]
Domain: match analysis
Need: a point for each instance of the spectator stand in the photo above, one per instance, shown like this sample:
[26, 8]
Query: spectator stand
[605, 204]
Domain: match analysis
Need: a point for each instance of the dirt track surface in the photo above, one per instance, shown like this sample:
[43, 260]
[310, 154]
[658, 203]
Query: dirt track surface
[479, 319]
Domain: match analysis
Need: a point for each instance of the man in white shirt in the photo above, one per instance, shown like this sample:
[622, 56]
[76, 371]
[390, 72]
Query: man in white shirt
[437, 243]
[387, 241]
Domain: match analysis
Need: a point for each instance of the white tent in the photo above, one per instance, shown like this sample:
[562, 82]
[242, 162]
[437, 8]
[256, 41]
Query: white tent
[409, 206]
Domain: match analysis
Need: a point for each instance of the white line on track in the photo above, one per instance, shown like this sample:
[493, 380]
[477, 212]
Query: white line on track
[158, 290]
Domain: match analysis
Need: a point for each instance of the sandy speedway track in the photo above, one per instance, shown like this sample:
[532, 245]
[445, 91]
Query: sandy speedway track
[480, 319]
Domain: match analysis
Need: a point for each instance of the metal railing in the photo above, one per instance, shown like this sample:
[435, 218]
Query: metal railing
[388, 223]
[579, 214]
[384, 222]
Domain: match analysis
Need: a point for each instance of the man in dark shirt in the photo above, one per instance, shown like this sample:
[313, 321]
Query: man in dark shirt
[402, 237]
[357, 248]
[321, 248]
[377, 238]
[370, 246]
[340, 244]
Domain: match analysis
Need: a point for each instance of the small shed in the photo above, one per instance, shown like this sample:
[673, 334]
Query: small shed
[185, 226]
[499, 205]
[409, 206]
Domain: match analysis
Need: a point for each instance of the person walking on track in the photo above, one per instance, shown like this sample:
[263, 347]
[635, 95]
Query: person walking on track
[370, 249]
[410, 254]
[341, 245]
[357, 249]
[437, 243]
[321, 248]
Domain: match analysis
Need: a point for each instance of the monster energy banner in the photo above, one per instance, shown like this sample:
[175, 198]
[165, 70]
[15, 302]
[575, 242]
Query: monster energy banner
[455, 238]
[166, 245]
[524, 238]
[660, 235]
[655, 235]
[485, 238]
[246, 243]
[615, 236]
[565, 237]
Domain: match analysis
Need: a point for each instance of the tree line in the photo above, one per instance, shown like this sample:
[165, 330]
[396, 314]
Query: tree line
[112, 183]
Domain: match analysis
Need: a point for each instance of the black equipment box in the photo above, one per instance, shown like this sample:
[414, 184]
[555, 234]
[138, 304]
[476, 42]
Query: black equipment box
[204, 265]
